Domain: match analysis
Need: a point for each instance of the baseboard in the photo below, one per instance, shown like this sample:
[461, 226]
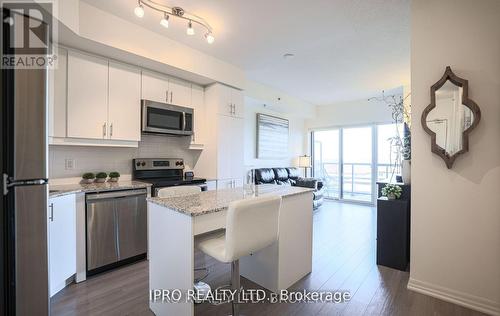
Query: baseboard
[456, 297]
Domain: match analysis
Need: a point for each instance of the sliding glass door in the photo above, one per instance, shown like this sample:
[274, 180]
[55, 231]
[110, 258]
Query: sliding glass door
[350, 160]
[357, 184]
[326, 160]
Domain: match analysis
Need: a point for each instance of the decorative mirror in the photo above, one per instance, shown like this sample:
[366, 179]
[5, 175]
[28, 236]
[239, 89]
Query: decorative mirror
[450, 117]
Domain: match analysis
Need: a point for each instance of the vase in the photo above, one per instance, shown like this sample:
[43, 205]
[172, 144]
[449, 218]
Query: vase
[113, 179]
[100, 180]
[406, 171]
[391, 196]
[87, 181]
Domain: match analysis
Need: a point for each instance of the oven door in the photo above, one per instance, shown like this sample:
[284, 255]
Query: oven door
[162, 118]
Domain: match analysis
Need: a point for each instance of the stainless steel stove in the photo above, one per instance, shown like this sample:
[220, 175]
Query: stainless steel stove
[163, 172]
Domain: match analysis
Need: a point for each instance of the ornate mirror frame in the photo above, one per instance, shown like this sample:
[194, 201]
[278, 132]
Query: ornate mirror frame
[464, 84]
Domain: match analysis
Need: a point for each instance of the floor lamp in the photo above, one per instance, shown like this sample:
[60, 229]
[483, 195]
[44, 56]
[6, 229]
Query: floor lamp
[305, 162]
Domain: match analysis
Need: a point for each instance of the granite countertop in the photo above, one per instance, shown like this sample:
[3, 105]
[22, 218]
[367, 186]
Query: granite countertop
[216, 201]
[64, 189]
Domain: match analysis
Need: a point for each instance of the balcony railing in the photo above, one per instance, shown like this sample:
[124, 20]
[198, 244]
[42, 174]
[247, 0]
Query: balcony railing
[357, 179]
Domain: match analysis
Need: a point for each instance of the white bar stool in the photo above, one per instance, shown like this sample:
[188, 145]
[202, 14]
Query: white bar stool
[178, 191]
[251, 225]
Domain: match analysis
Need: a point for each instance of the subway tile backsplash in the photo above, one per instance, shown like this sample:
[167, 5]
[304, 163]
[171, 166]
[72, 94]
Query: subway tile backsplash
[94, 159]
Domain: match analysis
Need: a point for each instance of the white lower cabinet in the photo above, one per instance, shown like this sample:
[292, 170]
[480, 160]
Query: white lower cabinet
[61, 221]
[229, 184]
[211, 185]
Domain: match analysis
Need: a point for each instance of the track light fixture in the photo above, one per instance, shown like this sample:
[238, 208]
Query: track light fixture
[190, 30]
[139, 10]
[164, 21]
[177, 12]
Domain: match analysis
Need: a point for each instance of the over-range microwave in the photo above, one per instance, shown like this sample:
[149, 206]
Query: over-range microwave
[161, 118]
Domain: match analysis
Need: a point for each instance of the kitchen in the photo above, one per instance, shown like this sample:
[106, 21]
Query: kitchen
[150, 127]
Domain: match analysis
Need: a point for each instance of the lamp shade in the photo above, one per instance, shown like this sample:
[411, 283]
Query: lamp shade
[304, 161]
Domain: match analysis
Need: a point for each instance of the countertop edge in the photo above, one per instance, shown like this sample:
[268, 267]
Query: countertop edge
[78, 188]
[157, 201]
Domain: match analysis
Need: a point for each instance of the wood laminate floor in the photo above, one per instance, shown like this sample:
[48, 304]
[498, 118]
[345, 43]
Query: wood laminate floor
[343, 259]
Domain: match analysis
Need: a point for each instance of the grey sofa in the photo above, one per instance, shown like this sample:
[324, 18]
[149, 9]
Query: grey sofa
[291, 176]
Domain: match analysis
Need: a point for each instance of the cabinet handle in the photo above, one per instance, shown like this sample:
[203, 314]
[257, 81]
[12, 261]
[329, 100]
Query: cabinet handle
[166, 96]
[111, 130]
[194, 137]
[230, 108]
[51, 216]
[104, 129]
[171, 96]
[234, 109]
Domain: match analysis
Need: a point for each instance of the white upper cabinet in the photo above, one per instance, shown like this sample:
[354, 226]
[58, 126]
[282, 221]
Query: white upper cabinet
[164, 89]
[180, 92]
[155, 87]
[57, 96]
[124, 102]
[87, 109]
[225, 107]
[238, 102]
[230, 101]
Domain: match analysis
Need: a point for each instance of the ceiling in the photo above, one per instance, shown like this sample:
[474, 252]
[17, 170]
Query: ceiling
[344, 49]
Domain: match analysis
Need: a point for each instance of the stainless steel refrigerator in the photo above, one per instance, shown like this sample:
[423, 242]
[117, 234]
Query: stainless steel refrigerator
[24, 264]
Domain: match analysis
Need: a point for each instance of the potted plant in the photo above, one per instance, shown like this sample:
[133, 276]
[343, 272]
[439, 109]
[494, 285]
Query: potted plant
[101, 177]
[88, 177]
[392, 191]
[114, 176]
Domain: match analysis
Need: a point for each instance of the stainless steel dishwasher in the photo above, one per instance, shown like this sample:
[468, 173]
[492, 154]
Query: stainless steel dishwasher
[116, 229]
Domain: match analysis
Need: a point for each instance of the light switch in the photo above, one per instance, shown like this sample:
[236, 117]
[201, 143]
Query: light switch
[69, 164]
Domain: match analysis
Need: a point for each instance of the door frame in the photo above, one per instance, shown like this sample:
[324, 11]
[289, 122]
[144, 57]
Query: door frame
[374, 160]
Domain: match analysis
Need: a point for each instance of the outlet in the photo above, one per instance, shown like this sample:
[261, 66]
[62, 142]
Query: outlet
[69, 164]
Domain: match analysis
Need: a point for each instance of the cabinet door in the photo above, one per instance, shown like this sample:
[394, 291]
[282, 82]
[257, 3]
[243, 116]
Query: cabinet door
[224, 146]
[124, 102]
[62, 241]
[238, 101]
[57, 95]
[198, 105]
[225, 106]
[87, 110]
[237, 134]
[211, 185]
[225, 184]
[180, 92]
[155, 87]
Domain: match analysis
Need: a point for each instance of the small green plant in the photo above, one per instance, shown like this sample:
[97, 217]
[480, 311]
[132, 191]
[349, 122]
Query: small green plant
[88, 176]
[392, 190]
[101, 175]
[114, 174]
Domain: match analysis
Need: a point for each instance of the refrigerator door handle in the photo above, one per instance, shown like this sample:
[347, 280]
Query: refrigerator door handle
[8, 183]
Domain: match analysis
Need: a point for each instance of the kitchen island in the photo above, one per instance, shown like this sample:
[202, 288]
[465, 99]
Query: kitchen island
[175, 223]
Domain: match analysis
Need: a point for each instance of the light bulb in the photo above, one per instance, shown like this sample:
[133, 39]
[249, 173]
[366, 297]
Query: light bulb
[190, 30]
[210, 38]
[139, 10]
[164, 21]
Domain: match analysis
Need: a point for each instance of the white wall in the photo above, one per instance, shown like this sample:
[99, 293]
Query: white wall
[296, 144]
[98, 26]
[455, 234]
[95, 159]
[356, 112]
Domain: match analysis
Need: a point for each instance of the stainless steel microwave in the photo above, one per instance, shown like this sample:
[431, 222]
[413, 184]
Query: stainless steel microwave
[161, 118]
